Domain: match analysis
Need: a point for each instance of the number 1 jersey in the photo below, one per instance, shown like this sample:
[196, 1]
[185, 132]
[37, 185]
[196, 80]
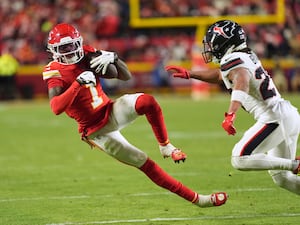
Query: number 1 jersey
[91, 107]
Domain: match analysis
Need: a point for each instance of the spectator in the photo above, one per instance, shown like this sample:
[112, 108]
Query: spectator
[279, 78]
[160, 76]
[295, 80]
[109, 19]
[8, 69]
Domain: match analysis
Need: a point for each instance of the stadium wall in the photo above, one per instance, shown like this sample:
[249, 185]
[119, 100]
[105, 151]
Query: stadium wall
[30, 83]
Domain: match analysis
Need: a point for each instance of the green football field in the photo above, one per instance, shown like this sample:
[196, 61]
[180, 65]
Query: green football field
[48, 176]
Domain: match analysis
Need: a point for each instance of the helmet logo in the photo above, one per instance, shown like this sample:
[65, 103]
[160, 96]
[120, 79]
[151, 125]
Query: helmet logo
[220, 31]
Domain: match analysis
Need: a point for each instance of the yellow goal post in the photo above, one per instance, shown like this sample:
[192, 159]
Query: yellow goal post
[201, 23]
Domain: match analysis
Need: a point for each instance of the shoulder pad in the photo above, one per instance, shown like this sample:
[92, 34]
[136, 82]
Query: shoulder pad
[88, 48]
[230, 63]
[51, 70]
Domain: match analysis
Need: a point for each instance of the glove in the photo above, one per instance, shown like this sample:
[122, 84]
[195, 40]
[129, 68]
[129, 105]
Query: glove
[86, 77]
[227, 123]
[179, 71]
[102, 61]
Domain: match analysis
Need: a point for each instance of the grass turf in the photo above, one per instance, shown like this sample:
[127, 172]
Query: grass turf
[49, 176]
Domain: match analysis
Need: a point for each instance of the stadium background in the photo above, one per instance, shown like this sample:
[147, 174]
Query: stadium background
[149, 34]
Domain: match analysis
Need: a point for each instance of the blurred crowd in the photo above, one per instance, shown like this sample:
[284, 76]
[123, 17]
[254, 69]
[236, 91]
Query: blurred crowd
[105, 25]
[267, 40]
[175, 8]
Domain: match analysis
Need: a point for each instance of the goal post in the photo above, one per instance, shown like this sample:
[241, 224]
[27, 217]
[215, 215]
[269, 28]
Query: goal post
[201, 22]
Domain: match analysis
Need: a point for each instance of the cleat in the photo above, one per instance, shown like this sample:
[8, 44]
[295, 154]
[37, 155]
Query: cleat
[171, 151]
[219, 198]
[177, 156]
[215, 199]
[297, 170]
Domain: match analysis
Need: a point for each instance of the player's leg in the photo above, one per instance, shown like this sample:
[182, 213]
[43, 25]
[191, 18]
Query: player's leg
[148, 106]
[128, 107]
[117, 146]
[249, 152]
[287, 180]
[287, 149]
[164, 180]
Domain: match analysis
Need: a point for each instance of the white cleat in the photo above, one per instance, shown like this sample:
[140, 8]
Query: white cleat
[215, 199]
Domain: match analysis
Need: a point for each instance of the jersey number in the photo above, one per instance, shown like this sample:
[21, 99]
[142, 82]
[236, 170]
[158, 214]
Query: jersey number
[97, 100]
[265, 91]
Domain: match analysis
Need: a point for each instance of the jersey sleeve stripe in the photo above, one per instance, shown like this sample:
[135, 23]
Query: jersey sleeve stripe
[51, 74]
[231, 64]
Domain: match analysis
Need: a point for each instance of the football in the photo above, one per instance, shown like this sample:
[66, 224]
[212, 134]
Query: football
[111, 71]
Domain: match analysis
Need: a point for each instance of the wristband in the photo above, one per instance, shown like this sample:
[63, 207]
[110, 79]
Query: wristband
[240, 96]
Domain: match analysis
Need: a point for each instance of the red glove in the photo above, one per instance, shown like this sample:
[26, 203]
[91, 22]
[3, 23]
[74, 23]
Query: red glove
[178, 71]
[227, 123]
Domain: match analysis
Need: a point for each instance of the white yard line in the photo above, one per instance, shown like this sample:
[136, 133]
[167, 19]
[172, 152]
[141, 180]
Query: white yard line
[131, 221]
[128, 195]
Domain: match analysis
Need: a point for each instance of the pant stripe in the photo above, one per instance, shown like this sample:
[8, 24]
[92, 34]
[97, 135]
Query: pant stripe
[258, 138]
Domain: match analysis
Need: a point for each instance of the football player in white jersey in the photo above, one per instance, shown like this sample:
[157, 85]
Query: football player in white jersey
[271, 143]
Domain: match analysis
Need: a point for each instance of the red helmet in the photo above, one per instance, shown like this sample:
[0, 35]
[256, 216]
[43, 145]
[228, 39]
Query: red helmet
[65, 43]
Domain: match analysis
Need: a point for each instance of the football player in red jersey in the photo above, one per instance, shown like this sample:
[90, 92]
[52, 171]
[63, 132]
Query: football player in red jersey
[74, 88]
[271, 143]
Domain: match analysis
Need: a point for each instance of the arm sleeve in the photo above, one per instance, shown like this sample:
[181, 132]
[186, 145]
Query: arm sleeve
[61, 102]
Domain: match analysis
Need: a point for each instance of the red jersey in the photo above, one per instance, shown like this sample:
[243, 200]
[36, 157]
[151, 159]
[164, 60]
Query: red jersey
[91, 107]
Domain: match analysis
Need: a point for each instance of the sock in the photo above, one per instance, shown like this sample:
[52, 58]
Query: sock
[164, 180]
[167, 149]
[148, 106]
[204, 201]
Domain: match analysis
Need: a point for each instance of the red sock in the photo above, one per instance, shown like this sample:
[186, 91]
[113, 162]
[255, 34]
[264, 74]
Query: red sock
[148, 106]
[164, 180]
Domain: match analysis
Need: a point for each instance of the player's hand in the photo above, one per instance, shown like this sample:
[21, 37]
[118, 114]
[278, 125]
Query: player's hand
[227, 123]
[102, 61]
[86, 77]
[178, 71]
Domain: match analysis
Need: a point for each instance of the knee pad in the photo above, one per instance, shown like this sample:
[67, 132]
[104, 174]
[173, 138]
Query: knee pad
[125, 153]
[146, 103]
[236, 162]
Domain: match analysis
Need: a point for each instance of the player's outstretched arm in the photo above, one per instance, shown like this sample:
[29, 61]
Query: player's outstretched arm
[207, 75]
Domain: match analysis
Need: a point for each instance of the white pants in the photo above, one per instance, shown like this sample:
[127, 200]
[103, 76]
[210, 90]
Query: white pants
[272, 147]
[110, 140]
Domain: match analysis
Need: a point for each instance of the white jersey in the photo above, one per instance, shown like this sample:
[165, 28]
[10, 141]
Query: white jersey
[263, 100]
